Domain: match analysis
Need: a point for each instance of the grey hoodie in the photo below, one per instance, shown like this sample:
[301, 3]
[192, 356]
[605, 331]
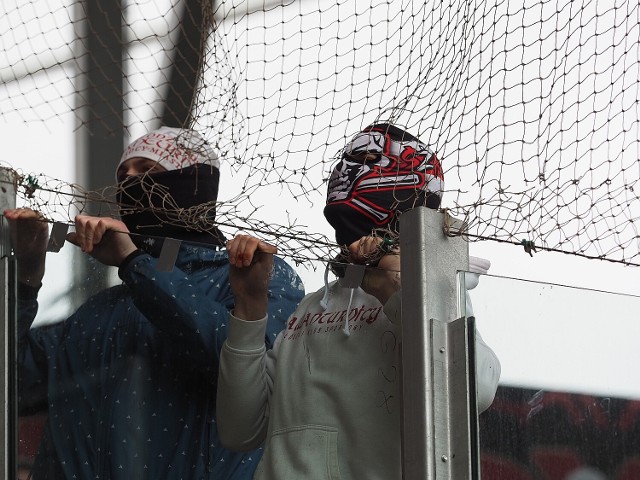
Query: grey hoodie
[327, 402]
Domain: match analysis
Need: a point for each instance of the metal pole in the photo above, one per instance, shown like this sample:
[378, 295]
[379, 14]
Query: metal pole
[185, 66]
[100, 135]
[8, 314]
[439, 389]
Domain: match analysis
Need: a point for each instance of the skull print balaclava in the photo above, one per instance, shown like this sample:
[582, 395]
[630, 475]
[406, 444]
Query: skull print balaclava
[383, 172]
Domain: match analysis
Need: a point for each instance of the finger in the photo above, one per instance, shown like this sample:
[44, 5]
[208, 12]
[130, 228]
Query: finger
[11, 213]
[79, 231]
[238, 251]
[235, 250]
[99, 228]
[254, 248]
[231, 250]
[265, 247]
[249, 247]
[361, 249]
[72, 237]
[22, 214]
[84, 233]
[27, 224]
[242, 250]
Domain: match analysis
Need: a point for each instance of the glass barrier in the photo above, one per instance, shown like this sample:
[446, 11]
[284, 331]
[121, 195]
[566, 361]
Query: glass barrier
[117, 376]
[568, 404]
[569, 395]
[70, 279]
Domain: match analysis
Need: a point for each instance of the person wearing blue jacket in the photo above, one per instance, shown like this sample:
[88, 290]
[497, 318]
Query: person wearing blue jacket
[129, 380]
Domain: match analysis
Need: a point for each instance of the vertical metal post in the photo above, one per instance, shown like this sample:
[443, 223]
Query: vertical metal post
[100, 135]
[8, 399]
[185, 66]
[439, 389]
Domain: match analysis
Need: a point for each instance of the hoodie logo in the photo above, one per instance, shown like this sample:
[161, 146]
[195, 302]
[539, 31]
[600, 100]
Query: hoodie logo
[327, 321]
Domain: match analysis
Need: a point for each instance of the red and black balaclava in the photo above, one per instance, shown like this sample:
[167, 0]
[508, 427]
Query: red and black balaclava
[383, 172]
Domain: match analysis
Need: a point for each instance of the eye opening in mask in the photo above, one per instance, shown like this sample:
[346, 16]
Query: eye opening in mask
[363, 157]
[138, 166]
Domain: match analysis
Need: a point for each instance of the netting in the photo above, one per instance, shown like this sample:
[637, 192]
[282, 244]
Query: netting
[532, 107]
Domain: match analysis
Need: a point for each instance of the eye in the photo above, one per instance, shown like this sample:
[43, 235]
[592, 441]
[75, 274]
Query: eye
[149, 166]
[137, 166]
[121, 174]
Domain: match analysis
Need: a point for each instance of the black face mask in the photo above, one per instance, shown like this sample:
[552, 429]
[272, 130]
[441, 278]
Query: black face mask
[178, 204]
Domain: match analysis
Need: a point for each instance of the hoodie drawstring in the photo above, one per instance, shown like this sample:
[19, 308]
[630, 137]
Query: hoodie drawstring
[346, 320]
[324, 303]
[325, 299]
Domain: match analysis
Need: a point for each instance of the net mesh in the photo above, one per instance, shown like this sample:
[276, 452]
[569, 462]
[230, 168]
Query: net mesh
[532, 107]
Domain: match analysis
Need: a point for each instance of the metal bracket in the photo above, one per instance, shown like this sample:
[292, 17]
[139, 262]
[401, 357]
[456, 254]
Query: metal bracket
[439, 431]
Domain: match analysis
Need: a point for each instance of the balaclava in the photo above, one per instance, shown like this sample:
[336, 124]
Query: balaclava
[383, 172]
[160, 204]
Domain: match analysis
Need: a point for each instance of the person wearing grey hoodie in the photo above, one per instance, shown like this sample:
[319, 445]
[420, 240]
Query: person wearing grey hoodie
[326, 399]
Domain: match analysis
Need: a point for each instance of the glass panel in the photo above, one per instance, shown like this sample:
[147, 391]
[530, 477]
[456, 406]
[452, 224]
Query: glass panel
[569, 395]
[119, 375]
[71, 277]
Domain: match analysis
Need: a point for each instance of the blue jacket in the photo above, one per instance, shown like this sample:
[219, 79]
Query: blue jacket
[129, 380]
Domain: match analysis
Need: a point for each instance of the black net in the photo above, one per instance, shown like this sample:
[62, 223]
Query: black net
[532, 108]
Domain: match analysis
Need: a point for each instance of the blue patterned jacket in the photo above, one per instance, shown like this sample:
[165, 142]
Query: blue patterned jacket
[129, 380]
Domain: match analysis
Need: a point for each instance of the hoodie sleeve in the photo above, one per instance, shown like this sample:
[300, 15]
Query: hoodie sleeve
[487, 373]
[487, 363]
[244, 385]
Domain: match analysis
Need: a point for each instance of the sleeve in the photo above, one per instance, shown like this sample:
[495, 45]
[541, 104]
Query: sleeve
[487, 373]
[32, 356]
[194, 308]
[244, 385]
[27, 308]
[178, 304]
[487, 363]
